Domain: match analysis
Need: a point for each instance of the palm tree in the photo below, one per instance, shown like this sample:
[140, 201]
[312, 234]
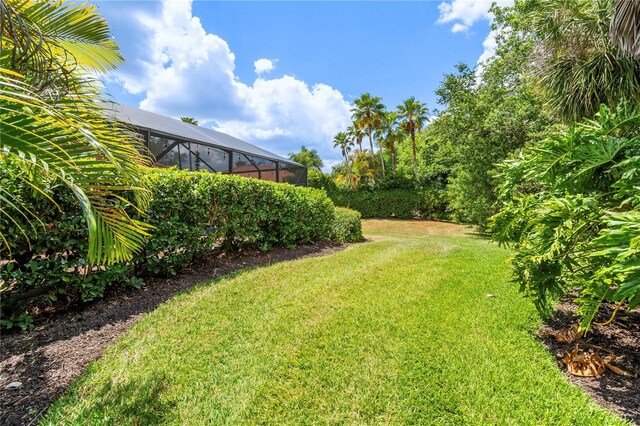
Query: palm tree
[367, 114]
[56, 123]
[625, 26]
[342, 142]
[356, 134]
[412, 115]
[389, 134]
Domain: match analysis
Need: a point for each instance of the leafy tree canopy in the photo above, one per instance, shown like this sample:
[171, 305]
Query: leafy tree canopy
[307, 157]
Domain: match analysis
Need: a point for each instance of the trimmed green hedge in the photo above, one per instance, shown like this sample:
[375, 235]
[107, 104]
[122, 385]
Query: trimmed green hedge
[193, 214]
[392, 203]
[347, 226]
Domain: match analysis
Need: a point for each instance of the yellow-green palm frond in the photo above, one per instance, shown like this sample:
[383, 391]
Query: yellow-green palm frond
[76, 141]
[48, 40]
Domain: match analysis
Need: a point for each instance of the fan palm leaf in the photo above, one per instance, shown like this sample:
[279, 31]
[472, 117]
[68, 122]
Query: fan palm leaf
[575, 60]
[625, 26]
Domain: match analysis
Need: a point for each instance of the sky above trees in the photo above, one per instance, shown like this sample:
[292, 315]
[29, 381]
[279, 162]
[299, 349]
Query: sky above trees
[285, 74]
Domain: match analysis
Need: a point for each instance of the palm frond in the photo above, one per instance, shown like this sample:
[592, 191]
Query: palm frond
[47, 41]
[625, 26]
[76, 142]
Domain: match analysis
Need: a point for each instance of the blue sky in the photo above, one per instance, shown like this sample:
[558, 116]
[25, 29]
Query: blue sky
[284, 74]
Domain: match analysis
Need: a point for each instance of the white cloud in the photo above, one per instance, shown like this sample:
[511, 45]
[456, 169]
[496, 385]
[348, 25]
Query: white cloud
[465, 13]
[328, 165]
[490, 45]
[458, 27]
[186, 71]
[264, 65]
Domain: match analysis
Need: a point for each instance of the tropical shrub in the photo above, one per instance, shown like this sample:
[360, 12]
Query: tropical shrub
[347, 226]
[192, 214]
[572, 213]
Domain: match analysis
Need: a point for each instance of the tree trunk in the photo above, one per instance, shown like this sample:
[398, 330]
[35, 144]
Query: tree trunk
[393, 160]
[346, 160]
[371, 140]
[415, 161]
[382, 161]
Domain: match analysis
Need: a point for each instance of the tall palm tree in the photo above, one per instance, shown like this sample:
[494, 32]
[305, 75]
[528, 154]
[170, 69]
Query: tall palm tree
[389, 134]
[344, 143]
[412, 115]
[625, 26]
[367, 114]
[56, 123]
[356, 134]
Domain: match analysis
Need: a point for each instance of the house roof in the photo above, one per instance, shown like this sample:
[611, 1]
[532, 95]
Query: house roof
[179, 130]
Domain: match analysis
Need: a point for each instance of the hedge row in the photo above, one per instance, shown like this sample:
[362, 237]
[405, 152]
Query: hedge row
[193, 213]
[392, 203]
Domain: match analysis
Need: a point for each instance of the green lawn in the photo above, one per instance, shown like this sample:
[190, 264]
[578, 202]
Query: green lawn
[398, 330]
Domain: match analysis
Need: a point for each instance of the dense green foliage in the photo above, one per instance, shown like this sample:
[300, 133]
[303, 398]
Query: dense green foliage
[398, 331]
[192, 213]
[382, 204]
[347, 226]
[576, 63]
[307, 157]
[489, 113]
[391, 203]
[572, 213]
[394, 196]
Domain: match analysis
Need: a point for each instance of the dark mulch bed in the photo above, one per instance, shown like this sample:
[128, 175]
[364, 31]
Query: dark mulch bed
[47, 359]
[619, 394]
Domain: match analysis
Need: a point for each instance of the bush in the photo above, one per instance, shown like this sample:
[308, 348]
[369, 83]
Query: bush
[317, 179]
[347, 226]
[381, 204]
[576, 228]
[193, 213]
[392, 203]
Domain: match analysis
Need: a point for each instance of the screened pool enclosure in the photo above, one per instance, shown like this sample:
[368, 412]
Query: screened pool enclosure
[176, 143]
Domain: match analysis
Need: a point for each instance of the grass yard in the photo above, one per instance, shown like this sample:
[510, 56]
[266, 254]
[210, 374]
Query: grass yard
[399, 330]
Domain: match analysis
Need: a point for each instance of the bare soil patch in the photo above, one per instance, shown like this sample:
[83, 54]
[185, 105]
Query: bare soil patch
[47, 359]
[618, 393]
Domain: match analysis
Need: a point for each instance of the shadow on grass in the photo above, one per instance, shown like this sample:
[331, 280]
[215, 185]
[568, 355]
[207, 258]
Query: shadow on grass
[479, 235]
[137, 402]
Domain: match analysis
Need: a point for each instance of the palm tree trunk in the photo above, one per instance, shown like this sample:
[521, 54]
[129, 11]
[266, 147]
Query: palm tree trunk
[393, 160]
[371, 140]
[382, 161]
[415, 161]
[346, 161]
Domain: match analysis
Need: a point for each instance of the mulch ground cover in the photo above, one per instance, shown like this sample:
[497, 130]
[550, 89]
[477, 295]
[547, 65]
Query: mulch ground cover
[47, 359]
[618, 393]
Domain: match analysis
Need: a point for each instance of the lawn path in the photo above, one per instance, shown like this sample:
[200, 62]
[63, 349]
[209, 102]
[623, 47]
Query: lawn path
[418, 326]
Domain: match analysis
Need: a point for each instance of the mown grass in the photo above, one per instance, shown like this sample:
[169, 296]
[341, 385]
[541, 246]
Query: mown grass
[399, 330]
